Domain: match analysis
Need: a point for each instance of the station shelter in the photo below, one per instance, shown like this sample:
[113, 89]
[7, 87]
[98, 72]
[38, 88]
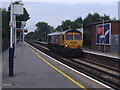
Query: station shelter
[105, 36]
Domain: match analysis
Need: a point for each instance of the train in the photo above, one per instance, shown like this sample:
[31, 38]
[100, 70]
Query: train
[69, 42]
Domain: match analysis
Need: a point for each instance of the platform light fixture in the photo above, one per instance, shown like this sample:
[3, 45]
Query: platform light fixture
[16, 9]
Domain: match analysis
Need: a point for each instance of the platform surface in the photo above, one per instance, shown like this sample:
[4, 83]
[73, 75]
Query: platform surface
[0, 71]
[106, 54]
[30, 71]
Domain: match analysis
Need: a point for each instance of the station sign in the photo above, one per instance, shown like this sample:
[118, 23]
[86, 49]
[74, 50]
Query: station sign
[11, 24]
[22, 30]
[103, 34]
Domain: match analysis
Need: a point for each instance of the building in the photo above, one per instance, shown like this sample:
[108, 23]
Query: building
[106, 37]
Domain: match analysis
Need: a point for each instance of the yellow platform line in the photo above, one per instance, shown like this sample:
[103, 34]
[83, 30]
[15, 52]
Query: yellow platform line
[107, 70]
[78, 84]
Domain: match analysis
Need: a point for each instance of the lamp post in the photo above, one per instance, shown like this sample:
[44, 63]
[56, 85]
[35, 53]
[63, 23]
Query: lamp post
[103, 41]
[16, 8]
[22, 26]
[11, 50]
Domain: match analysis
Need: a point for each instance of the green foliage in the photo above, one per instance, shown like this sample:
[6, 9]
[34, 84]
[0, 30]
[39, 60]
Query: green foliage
[78, 23]
[59, 28]
[5, 24]
[30, 35]
[41, 32]
[0, 24]
[105, 17]
[68, 24]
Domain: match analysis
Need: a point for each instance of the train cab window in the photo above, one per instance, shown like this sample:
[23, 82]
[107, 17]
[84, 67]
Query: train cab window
[69, 37]
[77, 37]
[49, 40]
[62, 37]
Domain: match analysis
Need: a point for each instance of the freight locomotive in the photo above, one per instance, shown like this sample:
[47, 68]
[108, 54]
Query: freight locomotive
[68, 42]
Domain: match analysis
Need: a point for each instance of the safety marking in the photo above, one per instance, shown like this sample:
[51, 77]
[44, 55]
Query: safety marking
[107, 70]
[78, 84]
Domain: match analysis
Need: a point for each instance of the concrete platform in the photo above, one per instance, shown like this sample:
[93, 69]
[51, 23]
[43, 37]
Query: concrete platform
[106, 54]
[87, 50]
[34, 70]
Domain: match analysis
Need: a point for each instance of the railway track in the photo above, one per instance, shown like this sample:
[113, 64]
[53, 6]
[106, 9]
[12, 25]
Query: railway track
[107, 75]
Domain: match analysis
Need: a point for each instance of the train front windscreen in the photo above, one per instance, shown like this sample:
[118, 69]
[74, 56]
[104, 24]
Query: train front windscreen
[73, 36]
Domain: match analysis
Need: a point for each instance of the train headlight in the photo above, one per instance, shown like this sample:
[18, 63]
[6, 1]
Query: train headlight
[66, 45]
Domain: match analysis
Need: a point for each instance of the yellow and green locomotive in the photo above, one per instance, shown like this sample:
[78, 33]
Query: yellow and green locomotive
[67, 42]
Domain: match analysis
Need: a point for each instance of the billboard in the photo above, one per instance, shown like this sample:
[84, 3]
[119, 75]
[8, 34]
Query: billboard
[103, 34]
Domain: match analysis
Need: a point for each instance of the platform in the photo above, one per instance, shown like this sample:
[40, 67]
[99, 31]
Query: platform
[87, 50]
[106, 54]
[0, 71]
[33, 69]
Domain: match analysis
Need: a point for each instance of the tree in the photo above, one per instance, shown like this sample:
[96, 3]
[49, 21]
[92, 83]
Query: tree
[105, 17]
[0, 24]
[59, 28]
[5, 24]
[42, 30]
[66, 24]
[29, 35]
[78, 23]
[5, 29]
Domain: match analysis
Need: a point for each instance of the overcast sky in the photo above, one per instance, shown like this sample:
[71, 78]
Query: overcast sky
[55, 11]
[65, 1]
